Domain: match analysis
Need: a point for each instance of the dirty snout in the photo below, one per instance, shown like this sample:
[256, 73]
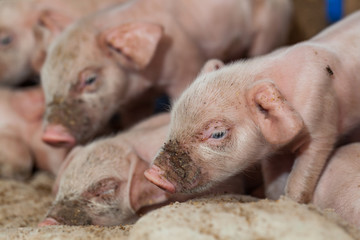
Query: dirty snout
[174, 170]
[67, 123]
[67, 212]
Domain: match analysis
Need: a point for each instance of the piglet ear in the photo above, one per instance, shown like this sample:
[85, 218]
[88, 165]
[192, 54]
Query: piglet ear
[50, 23]
[54, 21]
[211, 65]
[277, 119]
[142, 192]
[132, 44]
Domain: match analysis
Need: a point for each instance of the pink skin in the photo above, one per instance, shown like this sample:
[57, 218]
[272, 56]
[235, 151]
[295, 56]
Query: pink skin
[103, 183]
[154, 175]
[109, 74]
[48, 222]
[287, 108]
[57, 135]
[20, 128]
[28, 27]
[338, 187]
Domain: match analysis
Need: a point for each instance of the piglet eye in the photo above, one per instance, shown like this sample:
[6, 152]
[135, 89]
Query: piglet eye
[5, 40]
[218, 135]
[91, 79]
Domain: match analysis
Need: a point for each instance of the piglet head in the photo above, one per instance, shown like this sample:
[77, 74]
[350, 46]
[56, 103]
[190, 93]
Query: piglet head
[78, 104]
[101, 184]
[16, 43]
[222, 124]
[25, 33]
[88, 76]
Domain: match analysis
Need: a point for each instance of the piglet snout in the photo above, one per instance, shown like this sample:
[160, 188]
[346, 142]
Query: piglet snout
[48, 222]
[155, 175]
[58, 136]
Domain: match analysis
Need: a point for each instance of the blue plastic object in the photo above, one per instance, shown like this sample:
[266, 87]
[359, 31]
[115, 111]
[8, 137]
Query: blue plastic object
[334, 10]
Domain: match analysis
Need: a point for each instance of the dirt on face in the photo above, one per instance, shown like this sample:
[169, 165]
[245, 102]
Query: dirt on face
[70, 114]
[178, 166]
[70, 212]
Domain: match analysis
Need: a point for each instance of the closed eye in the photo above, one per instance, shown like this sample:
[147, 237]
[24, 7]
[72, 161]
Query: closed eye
[90, 80]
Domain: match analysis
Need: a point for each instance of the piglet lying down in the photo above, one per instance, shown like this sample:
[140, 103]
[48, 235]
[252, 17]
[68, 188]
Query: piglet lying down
[103, 183]
[295, 103]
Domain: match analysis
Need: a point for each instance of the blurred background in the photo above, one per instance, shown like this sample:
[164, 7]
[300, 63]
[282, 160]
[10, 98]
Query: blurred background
[310, 16]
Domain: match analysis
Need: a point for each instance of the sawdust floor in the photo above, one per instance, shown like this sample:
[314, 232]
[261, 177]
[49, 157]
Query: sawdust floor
[24, 204]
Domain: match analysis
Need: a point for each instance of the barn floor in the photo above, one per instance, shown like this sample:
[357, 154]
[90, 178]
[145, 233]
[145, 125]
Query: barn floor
[24, 204]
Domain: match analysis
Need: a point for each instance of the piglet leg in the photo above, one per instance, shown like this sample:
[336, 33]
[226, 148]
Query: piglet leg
[307, 169]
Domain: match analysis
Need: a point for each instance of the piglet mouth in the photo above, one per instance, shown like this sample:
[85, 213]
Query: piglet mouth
[156, 176]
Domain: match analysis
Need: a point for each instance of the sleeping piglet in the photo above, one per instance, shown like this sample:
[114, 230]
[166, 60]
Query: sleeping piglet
[21, 146]
[103, 183]
[293, 104]
[27, 27]
[121, 59]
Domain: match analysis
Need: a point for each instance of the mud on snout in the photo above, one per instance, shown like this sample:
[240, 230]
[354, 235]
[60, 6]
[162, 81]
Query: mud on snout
[178, 167]
[72, 115]
[70, 212]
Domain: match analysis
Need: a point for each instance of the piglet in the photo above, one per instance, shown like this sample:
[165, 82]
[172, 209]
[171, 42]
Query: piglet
[27, 27]
[121, 59]
[338, 187]
[291, 105]
[21, 146]
[103, 183]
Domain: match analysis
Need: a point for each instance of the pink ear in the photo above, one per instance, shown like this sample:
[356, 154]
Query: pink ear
[212, 65]
[278, 121]
[54, 21]
[133, 44]
[50, 23]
